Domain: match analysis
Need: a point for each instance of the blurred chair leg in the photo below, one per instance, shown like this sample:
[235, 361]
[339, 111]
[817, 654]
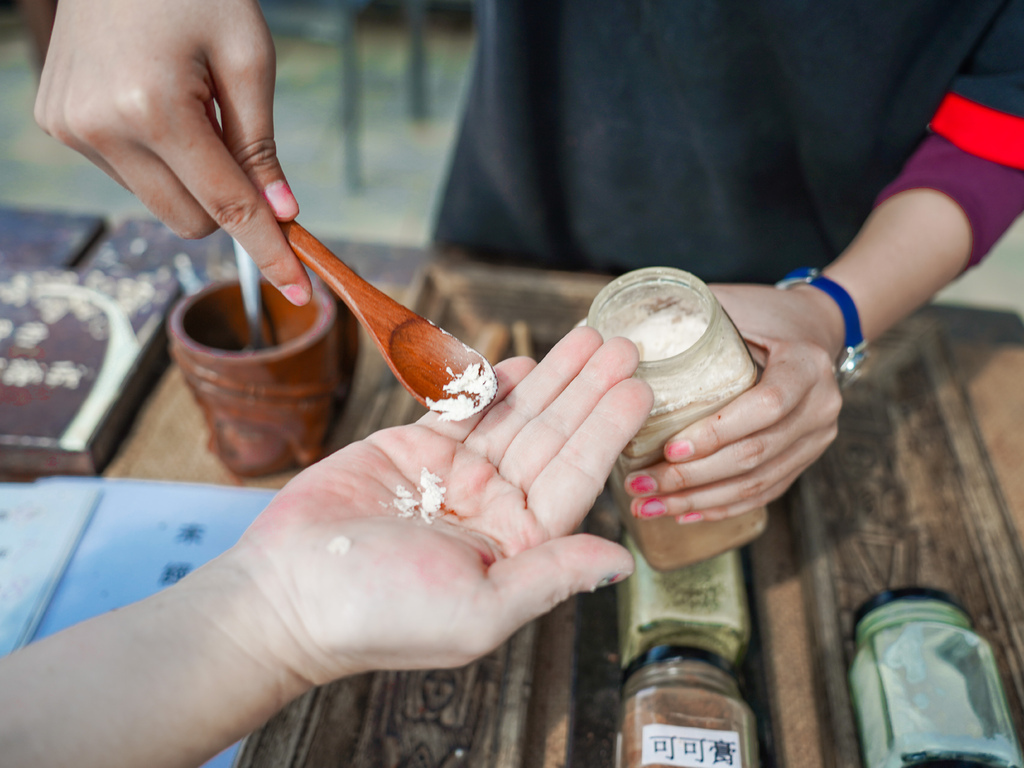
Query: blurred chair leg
[416, 11]
[38, 16]
[350, 96]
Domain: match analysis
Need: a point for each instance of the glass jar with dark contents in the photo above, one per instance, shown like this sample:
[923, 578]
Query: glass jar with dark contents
[682, 707]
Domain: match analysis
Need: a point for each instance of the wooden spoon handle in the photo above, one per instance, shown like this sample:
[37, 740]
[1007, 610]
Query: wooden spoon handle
[369, 305]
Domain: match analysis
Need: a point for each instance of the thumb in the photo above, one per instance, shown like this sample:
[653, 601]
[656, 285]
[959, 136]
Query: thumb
[534, 581]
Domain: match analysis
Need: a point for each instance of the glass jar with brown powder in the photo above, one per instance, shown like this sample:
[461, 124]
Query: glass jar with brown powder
[682, 707]
[696, 362]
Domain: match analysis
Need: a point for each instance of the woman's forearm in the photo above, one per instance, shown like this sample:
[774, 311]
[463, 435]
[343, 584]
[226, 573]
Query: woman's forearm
[169, 681]
[911, 246]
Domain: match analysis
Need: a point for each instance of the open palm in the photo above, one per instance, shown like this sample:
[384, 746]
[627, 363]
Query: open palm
[362, 586]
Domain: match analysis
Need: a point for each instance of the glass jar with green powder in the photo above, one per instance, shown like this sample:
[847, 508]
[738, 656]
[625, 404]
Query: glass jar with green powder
[925, 687]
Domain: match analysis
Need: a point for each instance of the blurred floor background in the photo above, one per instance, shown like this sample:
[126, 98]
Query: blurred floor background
[403, 161]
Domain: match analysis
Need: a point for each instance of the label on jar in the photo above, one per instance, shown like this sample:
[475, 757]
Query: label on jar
[676, 745]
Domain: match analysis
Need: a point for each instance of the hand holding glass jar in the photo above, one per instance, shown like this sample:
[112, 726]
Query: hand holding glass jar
[746, 449]
[695, 362]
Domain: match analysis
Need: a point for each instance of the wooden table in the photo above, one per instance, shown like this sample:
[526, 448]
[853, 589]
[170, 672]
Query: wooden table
[923, 485]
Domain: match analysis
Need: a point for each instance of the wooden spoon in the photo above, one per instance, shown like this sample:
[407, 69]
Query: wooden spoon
[440, 371]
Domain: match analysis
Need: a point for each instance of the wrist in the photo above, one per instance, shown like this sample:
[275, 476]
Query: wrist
[854, 347]
[249, 632]
[194, 655]
[829, 327]
[280, 608]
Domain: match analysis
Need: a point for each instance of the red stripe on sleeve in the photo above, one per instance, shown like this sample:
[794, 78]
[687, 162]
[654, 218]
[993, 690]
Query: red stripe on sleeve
[981, 131]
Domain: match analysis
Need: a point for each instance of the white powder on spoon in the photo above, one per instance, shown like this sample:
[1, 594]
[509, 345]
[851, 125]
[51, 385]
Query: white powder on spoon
[470, 392]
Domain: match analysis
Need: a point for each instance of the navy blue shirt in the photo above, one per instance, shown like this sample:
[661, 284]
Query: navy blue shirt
[736, 139]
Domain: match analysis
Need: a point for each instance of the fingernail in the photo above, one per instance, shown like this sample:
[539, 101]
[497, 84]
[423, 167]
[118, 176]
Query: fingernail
[681, 450]
[642, 484]
[690, 517]
[296, 294]
[281, 200]
[652, 508]
[613, 579]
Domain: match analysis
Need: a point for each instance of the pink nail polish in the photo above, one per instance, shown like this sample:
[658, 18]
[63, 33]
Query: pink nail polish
[281, 200]
[652, 508]
[681, 450]
[690, 517]
[642, 484]
[296, 294]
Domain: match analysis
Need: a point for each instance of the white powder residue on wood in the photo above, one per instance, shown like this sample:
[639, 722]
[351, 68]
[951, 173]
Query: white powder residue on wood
[470, 392]
[339, 545]
[431, 497]
[666, 333]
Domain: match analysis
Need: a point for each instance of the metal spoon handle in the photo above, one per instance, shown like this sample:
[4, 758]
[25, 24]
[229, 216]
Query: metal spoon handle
[252, 299]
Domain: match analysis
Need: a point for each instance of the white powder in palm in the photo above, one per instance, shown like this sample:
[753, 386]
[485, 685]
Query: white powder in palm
[470, 392]
[431, 498]
[404, 502]
[339, 545]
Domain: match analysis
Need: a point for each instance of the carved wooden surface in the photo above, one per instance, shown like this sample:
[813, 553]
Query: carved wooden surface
[905, 496]
[471, 716]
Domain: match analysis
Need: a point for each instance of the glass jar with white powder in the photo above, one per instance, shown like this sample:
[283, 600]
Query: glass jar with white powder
[695, 361]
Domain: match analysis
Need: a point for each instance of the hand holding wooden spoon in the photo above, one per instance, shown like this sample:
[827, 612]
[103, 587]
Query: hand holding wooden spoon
[440, 371]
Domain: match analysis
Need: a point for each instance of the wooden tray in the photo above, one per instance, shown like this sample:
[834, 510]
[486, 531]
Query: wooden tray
[79, 348]
[45, 239]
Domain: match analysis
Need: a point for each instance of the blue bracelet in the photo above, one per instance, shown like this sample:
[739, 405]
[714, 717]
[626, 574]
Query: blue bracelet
[855, 346]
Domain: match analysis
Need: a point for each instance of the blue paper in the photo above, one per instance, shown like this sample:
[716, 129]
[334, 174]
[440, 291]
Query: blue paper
[142, 536]
[39, 528]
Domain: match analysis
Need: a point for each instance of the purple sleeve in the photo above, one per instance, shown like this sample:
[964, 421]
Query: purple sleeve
[992, 195]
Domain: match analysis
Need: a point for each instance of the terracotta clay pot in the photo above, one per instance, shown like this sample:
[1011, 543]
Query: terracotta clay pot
[268, 409]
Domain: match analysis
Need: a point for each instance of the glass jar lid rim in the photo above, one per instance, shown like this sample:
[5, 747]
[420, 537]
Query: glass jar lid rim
[677, 653]
[904, 593]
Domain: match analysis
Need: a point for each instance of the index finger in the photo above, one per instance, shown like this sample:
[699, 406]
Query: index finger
[767, 403]
[213, 176]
